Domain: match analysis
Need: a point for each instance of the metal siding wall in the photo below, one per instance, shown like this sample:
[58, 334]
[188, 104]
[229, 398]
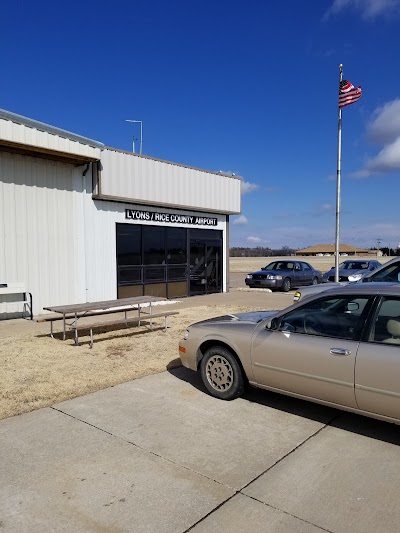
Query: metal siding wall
[21, 134]
[39, 229]
[101, 249]
[56, 239]
[151, 181]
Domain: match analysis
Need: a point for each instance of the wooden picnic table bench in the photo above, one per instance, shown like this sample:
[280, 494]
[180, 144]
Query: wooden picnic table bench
[73, 313]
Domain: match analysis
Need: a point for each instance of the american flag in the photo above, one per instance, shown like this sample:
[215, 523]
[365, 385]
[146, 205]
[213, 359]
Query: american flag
[348, 94]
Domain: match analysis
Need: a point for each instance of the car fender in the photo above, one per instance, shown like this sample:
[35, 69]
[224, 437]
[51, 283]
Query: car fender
[240, 349]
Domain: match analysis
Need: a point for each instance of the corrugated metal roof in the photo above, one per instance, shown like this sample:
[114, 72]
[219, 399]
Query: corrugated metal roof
[41, 126]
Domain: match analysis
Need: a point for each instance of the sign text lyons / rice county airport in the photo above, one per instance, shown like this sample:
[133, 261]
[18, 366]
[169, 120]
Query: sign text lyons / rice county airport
[134, 214]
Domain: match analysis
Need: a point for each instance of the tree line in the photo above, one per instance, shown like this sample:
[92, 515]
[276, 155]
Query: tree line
[262, 251]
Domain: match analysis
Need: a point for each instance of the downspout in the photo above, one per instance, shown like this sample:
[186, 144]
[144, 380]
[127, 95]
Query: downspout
[84, 228]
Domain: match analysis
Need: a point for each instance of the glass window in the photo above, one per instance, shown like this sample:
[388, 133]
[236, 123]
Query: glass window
[129, 244]
[390, 273]
[327, 317]
[176, 272]
[176, 245]
[154, 245]
[208, 234]
[306, 267]
[130, 275]
[154, 274]
[386, 323]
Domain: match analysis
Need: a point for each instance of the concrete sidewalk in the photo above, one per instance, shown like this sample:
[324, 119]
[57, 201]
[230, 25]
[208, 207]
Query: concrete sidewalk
[159, 455]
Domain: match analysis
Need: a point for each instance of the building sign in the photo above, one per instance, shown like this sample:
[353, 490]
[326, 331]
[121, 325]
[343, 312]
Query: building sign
[134, 214]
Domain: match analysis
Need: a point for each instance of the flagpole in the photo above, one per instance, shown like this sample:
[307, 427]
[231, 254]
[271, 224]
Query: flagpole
[339, 161]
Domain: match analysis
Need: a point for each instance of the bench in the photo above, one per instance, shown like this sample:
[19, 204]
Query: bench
[18, 288]
[144, 317]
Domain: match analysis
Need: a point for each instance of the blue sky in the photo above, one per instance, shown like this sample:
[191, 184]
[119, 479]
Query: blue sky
[244, 87]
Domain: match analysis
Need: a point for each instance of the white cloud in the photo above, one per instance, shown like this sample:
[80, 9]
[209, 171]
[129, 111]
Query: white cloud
[384, 126]
[387, 160]
[384, 129]
[251, 238]
[240, 220]
[324, 209]
[248, 187]
[368, 9]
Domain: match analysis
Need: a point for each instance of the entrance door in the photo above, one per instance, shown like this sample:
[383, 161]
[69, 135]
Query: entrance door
[205, 268]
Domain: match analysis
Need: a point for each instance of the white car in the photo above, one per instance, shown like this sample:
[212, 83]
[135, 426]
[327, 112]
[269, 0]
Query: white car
[389, 272]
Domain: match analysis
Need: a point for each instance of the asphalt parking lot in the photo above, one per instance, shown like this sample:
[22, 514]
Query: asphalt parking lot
[157, 454]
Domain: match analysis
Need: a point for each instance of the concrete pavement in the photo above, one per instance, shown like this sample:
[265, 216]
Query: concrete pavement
[159, 455]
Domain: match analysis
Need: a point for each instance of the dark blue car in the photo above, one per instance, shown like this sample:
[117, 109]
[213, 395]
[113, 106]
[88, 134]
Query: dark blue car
[284, 275]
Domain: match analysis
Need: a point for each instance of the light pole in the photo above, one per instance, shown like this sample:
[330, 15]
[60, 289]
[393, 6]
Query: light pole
[141, 135]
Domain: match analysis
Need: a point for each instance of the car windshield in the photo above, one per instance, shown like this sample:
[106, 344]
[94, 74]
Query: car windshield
[279, 265]
[354, 265]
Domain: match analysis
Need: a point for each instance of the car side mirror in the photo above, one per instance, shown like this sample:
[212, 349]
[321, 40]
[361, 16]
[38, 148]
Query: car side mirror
[366, 279]
[272, 324]
[352, 306]
[262, 268]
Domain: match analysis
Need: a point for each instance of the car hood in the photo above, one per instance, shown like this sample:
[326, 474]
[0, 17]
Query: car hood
[347, 271]
[252, 317]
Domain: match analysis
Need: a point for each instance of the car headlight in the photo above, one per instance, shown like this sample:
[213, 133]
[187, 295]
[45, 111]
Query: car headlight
[355, 277]
[271, 276]
[249, 276]
[186, 335]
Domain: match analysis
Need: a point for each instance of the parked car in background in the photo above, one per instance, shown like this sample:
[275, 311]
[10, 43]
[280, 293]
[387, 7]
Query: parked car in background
[284, 275]
[339, 348]
[351, 267]
[387, 273]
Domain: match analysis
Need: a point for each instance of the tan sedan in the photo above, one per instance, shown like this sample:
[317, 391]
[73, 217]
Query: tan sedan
[339, 348]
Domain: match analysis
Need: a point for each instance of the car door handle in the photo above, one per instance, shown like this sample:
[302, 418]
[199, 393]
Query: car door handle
[339, 351]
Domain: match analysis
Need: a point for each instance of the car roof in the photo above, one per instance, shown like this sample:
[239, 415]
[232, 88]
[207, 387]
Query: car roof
[370, 288]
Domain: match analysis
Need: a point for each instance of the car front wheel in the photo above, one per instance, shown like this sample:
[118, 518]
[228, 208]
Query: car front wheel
[315, 281]
[221, 373]
[286, 285]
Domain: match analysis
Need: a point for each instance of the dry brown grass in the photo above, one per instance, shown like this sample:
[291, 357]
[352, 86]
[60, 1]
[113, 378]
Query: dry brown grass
[38, 371]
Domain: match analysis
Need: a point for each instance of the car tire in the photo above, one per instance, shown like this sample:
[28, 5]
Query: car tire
[221, 374]
[286, 285]
[315, 281]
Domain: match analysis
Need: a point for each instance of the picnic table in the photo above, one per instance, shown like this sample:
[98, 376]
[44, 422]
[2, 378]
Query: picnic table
[71, 314]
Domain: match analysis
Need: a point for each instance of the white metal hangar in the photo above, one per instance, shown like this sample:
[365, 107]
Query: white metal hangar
[81, 222]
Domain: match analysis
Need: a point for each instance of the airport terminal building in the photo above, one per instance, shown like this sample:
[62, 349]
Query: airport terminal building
[81, 222]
